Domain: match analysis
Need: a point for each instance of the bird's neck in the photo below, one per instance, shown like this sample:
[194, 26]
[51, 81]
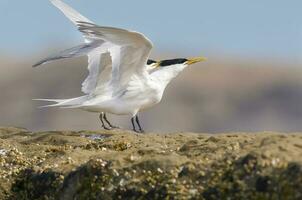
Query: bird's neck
[163, 76]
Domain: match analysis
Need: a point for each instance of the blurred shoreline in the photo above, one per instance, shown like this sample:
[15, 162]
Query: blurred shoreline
[223, 94]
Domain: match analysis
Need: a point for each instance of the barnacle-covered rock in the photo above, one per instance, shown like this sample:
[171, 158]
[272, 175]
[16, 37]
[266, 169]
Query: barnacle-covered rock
[123, 165]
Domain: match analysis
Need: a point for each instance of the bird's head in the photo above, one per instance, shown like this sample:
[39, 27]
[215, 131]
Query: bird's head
[181, 61]
[178, 62]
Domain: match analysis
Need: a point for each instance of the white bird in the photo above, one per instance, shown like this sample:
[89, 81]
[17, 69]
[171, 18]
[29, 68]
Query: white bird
[122, 79]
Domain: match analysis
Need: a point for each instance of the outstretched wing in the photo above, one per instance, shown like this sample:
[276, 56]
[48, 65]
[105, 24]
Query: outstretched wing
[77, 51]
[73, 15]
[69, 12]
[94, 48]
[129, 52]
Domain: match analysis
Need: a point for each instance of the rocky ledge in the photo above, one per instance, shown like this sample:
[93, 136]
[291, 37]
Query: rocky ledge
[123, 165]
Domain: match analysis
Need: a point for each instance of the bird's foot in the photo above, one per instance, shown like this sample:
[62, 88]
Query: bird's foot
[106, 128]
[139, 131]
[115, 127]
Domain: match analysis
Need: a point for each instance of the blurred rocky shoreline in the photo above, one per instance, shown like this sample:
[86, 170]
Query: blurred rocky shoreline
[123, 165]
[221, 95]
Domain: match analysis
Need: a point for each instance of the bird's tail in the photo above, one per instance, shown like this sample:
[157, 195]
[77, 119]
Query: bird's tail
[64, 103]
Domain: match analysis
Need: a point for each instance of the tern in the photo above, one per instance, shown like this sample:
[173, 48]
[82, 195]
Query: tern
[122, 79]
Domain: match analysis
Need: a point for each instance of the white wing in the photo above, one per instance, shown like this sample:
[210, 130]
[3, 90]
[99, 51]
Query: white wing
[105, 75]
[77, 51]
[93, 48]
[98, 76]
[71, 14]
[129, 52]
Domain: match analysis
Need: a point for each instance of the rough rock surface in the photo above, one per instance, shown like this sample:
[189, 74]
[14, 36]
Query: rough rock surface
[124, 165]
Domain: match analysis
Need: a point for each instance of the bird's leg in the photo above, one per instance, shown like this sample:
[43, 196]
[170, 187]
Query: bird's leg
[107, 121]
[133, 125]
[139, 126]
[103, 124]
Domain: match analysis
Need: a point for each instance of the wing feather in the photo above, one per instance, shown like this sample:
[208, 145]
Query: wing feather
[80, 50]
[129, 53]
[114, 35]
[69, 12]
[98, 60]
[128, 56]
[73, 15]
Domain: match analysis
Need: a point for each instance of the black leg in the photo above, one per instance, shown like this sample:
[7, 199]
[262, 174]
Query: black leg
[103, 124]
[139, 126]
[107, 121]
[133, 125]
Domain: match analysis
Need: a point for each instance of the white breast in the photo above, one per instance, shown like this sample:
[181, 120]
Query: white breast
[142, 93]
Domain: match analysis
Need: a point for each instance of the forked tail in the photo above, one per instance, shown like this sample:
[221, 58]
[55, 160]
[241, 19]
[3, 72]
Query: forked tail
[64, 103]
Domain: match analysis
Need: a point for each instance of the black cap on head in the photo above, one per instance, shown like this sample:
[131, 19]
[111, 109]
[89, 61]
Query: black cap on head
[165, 63]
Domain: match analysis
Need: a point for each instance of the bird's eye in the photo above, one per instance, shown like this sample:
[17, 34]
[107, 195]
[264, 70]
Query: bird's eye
[150, 62]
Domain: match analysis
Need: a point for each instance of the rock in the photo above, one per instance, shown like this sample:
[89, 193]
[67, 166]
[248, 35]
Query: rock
[122, 165]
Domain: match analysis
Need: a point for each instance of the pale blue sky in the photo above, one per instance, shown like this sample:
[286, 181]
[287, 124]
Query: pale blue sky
[254, 28]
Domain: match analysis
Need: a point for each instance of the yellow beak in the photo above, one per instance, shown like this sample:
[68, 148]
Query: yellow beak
[196, 60]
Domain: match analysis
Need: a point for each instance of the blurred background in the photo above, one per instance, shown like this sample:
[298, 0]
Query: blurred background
[252, 81]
